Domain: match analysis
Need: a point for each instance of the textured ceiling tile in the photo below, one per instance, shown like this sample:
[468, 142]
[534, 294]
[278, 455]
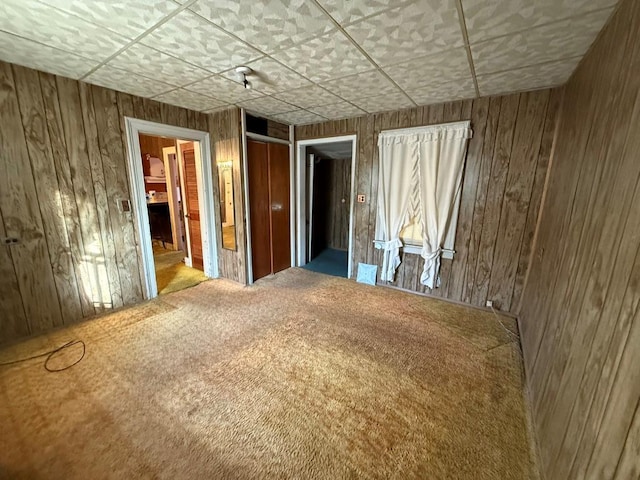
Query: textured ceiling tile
[347, 12]
[306, 97]
[186, 99]
[414, 30]
[338, 110]
[366, 84]
[565, 39]
[124, 81]
[224, 89]
[529, 78]
[268, 25]
[197, 41]
[446, 92]
[382, 103]
[270, 77]
[491, 18]
[431, 70]
[324, 58]
[267, 106]
[42, 23]
[129, 18]
[48, 59]
[151, 63]
[298, 117]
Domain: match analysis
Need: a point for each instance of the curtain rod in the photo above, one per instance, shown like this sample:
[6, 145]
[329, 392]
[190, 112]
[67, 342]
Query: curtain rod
[464, 123]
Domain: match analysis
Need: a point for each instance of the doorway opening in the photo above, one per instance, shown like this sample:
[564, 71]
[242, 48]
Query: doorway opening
[325, 204]
[172, 193]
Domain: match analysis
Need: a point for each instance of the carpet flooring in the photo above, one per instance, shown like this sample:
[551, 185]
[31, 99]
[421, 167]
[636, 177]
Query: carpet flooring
[172, 274]
[331, 262]
[301, 376]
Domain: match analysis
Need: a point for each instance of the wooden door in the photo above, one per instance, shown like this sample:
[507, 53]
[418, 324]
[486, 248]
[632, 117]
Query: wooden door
[259, 207]
[192, 205]
[339, 204]
[279, 183]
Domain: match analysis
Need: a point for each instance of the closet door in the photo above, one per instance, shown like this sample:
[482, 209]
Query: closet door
[193, 205]
[279, 181]
[259, 208]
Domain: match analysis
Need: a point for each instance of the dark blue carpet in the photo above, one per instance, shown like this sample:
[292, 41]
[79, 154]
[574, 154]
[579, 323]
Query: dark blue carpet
[331, 262]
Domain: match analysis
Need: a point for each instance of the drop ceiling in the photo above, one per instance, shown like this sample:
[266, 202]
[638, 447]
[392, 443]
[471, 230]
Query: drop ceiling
[313, 59]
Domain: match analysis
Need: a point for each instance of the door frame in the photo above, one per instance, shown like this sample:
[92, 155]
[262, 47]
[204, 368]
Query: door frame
[246, 193]
[174, 207]
[134, 127]
[312, 167]
[188, 261]
[301, 195]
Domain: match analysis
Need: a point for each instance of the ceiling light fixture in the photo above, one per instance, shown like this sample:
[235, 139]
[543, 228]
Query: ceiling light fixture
[243, 71]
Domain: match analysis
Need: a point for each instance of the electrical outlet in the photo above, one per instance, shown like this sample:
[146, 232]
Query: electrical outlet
[489, 303]
[361, 198]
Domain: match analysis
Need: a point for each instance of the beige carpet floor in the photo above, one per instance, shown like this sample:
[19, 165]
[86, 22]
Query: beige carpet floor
[301, 376]
[172, 274]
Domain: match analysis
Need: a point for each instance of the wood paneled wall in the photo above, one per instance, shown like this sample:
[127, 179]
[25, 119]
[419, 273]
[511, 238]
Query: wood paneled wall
[63, 175]
[338, 203]
[503, 182]
[226, 138]
[580, 320]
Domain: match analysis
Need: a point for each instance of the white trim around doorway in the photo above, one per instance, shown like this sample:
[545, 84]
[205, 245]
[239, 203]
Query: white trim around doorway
[204, 174]
[301, 196]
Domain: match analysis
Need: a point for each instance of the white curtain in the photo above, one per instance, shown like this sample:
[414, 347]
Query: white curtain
[394, 191]
[420, 174]
[441, 158]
